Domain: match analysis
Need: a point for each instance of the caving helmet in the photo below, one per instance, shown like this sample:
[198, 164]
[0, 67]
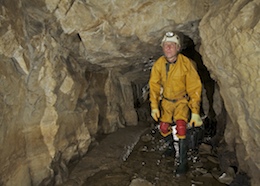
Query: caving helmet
[171, 37]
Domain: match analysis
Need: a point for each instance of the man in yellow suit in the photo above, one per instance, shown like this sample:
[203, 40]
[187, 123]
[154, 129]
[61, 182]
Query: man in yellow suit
[175, 81]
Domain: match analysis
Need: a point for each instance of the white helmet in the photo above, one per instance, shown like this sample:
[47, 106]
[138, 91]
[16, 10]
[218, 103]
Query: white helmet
[171, 37]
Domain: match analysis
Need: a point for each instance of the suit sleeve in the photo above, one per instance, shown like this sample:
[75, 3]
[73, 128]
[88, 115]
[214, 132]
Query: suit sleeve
[155, 86]
[194, 88]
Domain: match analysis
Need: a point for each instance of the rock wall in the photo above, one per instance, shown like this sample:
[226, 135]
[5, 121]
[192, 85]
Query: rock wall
[53, 101]
[67, 69]
[230, 35]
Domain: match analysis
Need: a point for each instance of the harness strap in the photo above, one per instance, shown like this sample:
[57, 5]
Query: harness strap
[175, 100]
[167, 69]
[167, 65]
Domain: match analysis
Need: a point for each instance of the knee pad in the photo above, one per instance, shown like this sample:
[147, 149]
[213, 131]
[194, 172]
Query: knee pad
[181, 128]
[165, 129]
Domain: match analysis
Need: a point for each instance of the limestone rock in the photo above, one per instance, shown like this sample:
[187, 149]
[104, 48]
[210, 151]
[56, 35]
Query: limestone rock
[67, 69]
[230, 48]
[140, 182]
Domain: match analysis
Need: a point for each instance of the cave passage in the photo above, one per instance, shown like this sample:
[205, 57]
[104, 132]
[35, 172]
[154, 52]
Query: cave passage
[148, 158]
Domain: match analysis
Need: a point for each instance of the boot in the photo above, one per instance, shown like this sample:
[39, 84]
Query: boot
[170, 148]
[182, 167]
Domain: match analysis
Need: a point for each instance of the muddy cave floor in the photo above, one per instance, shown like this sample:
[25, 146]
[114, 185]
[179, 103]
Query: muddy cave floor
[135, 156]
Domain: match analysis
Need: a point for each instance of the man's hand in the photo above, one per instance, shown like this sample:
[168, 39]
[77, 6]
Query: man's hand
[196, 120]
[155, 114]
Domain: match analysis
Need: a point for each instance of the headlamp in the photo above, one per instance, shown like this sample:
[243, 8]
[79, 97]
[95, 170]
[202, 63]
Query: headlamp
[169, 34]
[171, 37]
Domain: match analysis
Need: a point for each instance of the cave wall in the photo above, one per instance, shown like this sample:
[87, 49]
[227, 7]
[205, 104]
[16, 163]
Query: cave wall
[67, 69]
[230, 35]
[53, 101]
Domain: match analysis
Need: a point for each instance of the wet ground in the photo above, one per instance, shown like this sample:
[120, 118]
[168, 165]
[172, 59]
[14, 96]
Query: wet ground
[135, 156]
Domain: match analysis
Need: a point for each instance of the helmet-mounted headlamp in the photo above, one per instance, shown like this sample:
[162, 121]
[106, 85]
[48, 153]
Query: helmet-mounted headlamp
[169, 34]
[171, 37]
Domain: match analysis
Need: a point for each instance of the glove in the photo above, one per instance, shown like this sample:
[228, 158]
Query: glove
[196, 120]
[155, 114]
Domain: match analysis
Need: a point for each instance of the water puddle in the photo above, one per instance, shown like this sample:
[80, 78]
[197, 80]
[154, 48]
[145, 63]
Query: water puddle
[147, 164]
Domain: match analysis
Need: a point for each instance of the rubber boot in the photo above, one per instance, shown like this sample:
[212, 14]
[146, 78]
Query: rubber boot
[182, 167]
[170, 148]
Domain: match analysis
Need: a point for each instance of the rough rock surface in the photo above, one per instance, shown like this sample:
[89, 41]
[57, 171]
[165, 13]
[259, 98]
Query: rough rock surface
[230, 35]
[68, 69]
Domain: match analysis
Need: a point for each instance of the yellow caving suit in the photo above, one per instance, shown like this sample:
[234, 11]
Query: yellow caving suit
[181, 80]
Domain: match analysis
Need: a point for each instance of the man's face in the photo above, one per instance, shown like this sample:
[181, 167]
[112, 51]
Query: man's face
[170, 49]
